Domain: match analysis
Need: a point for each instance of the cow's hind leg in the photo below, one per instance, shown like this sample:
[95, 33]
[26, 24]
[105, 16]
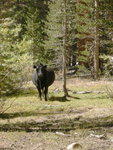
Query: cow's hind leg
[46, 93]
[40, 93]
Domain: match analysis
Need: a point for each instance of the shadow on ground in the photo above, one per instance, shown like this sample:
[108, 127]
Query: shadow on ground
[58, 124]
[24, 92]
[23, 114]
[73, 97]
[59, 98]
[62, 98]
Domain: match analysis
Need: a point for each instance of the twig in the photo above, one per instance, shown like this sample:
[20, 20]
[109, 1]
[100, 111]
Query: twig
[8, 107]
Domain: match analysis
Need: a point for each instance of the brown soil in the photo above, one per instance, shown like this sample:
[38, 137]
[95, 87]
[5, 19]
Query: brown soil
[50, 133]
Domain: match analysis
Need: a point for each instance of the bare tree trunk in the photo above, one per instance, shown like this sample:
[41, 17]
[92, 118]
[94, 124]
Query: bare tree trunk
[17, 4]
[64, 50]
[97, 42]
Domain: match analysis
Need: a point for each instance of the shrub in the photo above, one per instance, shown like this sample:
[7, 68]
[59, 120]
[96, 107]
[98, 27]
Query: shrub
[14, 57]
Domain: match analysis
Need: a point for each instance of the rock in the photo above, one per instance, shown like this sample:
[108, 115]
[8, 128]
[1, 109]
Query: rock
[82, 92]
[76, 133]
[98, 136]
[87, 92]
[111, 139]
[62, 134]
[98, 92]
[74, 146]
[56, 90]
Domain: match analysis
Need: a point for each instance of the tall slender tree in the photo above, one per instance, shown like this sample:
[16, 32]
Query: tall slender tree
[65, 44]
[97, 41]
[61, 35]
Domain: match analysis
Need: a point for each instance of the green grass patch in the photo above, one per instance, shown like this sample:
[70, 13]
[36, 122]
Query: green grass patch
[26, 105]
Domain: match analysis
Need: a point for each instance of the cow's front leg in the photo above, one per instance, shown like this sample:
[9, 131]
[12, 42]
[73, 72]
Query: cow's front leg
[39, 91]
[46, 93]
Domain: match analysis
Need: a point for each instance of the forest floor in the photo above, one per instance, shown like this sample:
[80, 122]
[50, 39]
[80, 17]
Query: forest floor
[84, 118]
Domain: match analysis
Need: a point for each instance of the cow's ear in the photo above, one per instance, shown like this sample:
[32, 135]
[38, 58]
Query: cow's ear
[34, 66]
[45, 66]
[40, 64]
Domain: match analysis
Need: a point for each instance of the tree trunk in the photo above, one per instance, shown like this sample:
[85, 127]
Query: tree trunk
[17, 4]
[64, 49]
[97, 42]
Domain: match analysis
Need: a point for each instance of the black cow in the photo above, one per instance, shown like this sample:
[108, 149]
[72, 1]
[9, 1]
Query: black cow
[43, 78]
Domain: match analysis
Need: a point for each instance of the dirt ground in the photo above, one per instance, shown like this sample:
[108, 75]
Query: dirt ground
[90, 127]
[91, 138]
[56, 140]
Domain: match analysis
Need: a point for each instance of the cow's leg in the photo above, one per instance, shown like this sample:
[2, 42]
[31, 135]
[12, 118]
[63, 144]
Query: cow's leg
[46, 93]
[39, 91]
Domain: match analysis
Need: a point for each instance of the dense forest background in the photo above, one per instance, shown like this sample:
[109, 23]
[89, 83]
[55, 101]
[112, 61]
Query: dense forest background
[63, 34]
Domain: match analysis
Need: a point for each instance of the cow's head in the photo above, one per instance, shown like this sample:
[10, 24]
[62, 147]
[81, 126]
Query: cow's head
[40, 69]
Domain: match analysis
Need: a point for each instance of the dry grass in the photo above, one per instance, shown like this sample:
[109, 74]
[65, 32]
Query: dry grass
[27, 109]
[27, 105]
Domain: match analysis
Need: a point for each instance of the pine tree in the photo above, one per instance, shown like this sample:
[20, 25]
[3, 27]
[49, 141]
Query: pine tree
[54, 42]
[9, 56]
[106, 13]
[93, 30]
[84, 26]
[35, 26]
[12, 50]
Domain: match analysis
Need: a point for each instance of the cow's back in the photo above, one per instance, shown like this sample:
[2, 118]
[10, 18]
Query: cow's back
[48, 79]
